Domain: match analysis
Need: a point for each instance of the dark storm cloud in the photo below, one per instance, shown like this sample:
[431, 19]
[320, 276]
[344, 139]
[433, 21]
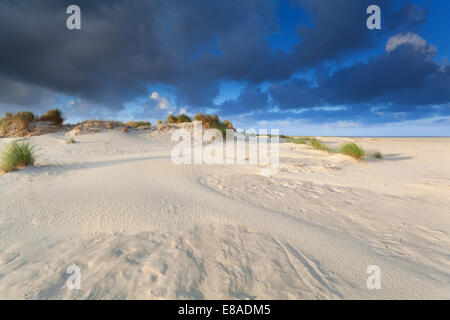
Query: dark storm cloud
[14, 94]
[192, 45]
[125, 45]
[339, 27]
[251, 99]
[403, 82]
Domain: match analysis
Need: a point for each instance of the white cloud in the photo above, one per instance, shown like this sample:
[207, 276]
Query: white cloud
[157, 107]
[160, 102]
[413, 39]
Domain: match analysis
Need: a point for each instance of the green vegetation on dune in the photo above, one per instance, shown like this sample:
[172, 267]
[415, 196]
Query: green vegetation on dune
[316, 144]
[17, 124]
[19, 121]
[349, 149]
[296, 140]
[352, 150]
[213, 122]
[377, 155]
[171, 119]
[137, 124]
[16, 155]
[71, 140]
[181, 118]
[54, 115]
[313, 142]
[208, 121]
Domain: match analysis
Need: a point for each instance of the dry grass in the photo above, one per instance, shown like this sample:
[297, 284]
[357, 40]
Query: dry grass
[228, 124]
[16, 123]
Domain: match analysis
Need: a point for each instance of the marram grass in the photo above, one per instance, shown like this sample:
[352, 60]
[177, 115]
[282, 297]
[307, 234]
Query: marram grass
[16, 156]
[314, 142]
[352, 150]
[349, 149]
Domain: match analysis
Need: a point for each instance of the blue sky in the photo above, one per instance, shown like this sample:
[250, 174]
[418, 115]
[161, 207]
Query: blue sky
[305, 67]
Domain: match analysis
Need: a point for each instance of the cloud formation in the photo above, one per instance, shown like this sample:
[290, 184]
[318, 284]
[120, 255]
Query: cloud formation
[193, 46]
[156, 107]
[403, 82]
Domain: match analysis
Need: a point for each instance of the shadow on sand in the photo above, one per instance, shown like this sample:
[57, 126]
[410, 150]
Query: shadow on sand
[395, 157]
[49, 168]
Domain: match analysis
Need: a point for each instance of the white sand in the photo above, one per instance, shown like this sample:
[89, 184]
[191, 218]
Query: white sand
[139, 226]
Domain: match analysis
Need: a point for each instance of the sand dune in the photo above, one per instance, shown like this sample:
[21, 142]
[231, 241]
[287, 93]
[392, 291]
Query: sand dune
[139, 226]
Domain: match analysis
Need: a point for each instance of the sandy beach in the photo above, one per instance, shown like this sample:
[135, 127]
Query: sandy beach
[139, 226]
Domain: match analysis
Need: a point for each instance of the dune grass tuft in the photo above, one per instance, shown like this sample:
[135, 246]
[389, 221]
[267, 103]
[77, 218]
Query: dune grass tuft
[54, 115]
[171, 119]
[349, 149]
[71, 140]
[137, 124]
[19, 121]
[213, 122]
[16, 155]
[376, 155]
[181, 118]
[17, 124]
[296, 140]
[352, 150]
[314, 142]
